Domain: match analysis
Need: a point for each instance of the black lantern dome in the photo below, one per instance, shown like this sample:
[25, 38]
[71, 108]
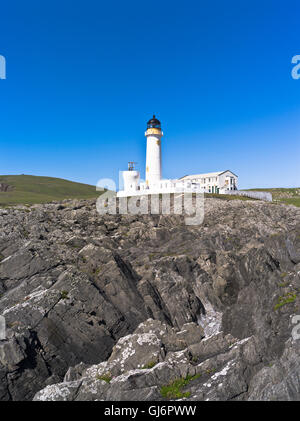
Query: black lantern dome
[153, 123]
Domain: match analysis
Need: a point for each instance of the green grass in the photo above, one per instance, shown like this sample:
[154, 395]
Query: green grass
[64, 295]
[151, 364]
[226, 196]
[105, 377]
[290, 297]
[30, 189]
[174, 389]
[291, 201]
[289, 196]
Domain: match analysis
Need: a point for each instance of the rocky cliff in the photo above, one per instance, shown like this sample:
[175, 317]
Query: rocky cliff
[146, 307]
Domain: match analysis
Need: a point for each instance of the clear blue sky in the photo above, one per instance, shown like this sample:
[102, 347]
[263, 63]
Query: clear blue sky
[83, 77]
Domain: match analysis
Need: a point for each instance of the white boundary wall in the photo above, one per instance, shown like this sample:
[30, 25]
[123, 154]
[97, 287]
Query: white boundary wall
[261, 195]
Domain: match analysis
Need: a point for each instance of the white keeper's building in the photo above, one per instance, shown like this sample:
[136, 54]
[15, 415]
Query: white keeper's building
[220, 182]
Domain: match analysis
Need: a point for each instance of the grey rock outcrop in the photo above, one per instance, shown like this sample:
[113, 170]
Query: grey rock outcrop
[116, 307]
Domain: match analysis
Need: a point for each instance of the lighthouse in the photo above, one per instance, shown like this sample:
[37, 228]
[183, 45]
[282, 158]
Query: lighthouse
[216, 182]
[153, 155]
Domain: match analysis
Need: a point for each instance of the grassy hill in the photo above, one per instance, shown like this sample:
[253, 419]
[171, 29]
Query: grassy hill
[29, 189]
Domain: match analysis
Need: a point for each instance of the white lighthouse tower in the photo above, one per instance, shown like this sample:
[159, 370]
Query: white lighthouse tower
[153, 156]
